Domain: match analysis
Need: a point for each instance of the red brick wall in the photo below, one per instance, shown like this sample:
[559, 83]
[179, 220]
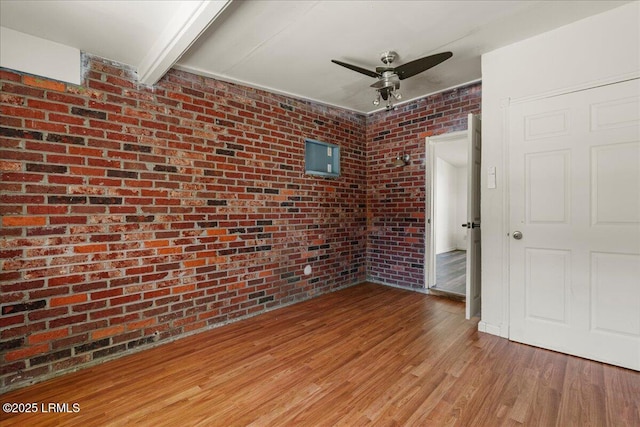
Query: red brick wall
[396, 196]
[128, 211]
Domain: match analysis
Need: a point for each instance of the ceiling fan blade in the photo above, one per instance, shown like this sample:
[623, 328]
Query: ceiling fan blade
[356, 68]
[419, 65]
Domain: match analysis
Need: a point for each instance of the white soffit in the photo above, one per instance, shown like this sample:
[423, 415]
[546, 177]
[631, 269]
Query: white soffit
[33, 55]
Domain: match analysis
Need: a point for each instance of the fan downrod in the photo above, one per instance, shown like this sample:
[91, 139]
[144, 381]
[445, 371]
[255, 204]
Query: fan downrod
[388, 57]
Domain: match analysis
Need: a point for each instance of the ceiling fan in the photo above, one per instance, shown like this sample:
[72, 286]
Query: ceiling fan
[389, 77]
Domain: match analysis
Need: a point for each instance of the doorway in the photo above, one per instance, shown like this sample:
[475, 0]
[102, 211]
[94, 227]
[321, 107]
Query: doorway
[452, 255]
[449, 213]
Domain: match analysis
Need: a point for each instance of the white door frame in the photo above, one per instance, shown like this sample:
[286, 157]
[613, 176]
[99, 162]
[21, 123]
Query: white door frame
[430, 179]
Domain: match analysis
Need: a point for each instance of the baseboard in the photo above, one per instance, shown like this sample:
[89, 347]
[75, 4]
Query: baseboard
[444, 251]
[450, 295]
[492, 329]
[406, 288]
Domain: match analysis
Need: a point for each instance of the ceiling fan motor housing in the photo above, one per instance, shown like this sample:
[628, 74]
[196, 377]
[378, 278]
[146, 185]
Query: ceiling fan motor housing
[388, 56]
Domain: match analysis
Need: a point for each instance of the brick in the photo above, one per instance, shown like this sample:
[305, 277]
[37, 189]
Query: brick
[68, 300]
[56, 200]
[44, 126]
[6, 321]
[64, 118]
[10, 166]
[11, 344]
[106, 294]
[48, 106]
[125, 299]
[34, 167]
[67, 219]
[9, 75]
[156, 243]
[105, 200]
[20, 133]
[85, 112]
[27, 306]
[182, 289]
[88, 326]
[49, 313]
[23, 90]
[101, 333]
[140, 324]
[26, 352]
[25, 221]
[66, 280]
[66, 139]
[90, 346]
[66, 98]
[50, 357]
[66, 321]
[48, 336]
[83, 249]
[6, 98]
[43, 83]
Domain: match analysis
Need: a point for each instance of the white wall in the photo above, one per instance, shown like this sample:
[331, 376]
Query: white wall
[446, 203]
[451, 206]
[596, 50]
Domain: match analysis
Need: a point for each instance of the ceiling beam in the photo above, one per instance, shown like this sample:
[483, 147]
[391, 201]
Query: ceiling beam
[191, 19]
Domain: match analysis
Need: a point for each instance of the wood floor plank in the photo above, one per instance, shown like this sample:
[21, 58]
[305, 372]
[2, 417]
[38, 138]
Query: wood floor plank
[451, 272]
[366, 355]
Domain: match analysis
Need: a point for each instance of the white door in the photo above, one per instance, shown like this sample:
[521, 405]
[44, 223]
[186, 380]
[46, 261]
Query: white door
[473, 217]
[575, 223]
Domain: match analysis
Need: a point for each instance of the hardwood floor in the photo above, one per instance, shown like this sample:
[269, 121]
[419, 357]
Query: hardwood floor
[366, 355]
[451, 272]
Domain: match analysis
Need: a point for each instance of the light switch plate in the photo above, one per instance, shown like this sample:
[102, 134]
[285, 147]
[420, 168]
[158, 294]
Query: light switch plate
[491, 177]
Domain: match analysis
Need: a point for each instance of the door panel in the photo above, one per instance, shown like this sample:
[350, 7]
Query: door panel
[615, 293]
[547, 190]
[575, 198]
[614, 170]
[547, 283]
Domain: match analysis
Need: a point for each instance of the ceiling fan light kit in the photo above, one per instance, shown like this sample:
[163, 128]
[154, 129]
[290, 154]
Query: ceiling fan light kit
[388, 84]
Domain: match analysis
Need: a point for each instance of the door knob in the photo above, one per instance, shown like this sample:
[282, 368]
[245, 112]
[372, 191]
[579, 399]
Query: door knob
[517, 235]
[465, 225]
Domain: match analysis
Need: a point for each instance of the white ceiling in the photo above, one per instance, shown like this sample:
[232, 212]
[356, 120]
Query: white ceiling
[287, 46]
[455, 151]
